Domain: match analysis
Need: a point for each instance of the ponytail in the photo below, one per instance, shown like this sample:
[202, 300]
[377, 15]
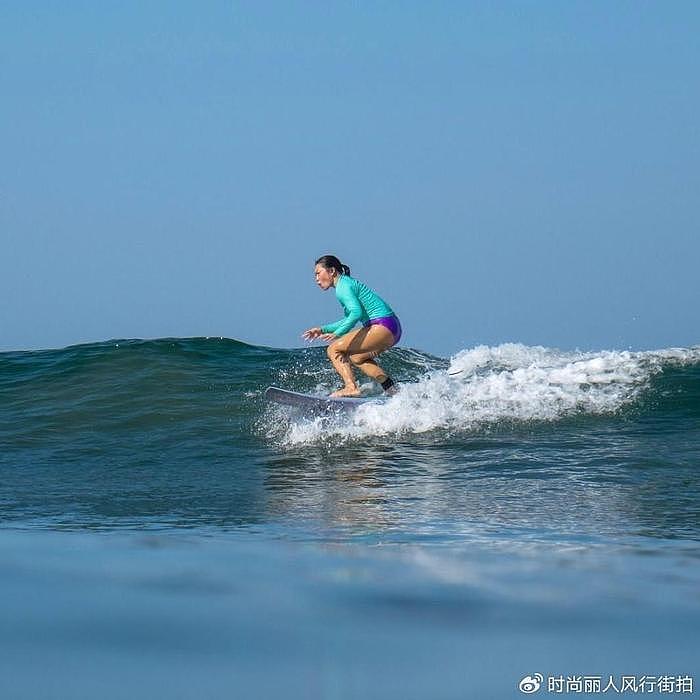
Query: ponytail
[331, 262]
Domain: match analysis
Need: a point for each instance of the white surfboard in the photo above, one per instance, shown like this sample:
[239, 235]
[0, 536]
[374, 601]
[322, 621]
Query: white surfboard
[321, 404]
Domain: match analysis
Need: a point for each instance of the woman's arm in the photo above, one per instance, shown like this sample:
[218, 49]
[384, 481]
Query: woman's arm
[353, 311]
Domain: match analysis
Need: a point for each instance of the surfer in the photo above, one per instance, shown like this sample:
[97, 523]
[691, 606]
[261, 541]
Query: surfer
[380, 327]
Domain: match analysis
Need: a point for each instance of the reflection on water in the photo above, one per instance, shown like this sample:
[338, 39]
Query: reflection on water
[588, 485]
[537, 483]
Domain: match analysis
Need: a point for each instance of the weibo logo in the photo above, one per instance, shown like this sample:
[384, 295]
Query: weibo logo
[531, 684]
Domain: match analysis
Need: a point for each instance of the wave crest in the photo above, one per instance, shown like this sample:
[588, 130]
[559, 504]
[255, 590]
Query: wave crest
[484, 386]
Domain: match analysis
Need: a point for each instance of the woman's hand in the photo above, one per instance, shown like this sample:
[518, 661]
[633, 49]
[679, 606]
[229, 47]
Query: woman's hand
[311, 333]
[317, 334]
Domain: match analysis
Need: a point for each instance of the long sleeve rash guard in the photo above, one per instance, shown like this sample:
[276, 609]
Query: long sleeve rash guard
[359, 302]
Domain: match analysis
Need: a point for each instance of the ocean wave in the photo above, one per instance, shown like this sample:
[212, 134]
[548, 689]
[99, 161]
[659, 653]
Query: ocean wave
[126, 387]
[485, 386]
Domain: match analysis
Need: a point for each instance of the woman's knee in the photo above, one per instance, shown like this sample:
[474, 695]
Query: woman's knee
[334, 350]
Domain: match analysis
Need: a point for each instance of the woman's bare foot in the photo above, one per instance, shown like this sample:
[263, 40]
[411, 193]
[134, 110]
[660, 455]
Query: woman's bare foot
[347, 392]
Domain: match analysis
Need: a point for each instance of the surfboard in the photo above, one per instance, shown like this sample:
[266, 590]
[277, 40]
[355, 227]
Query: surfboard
[322, 404]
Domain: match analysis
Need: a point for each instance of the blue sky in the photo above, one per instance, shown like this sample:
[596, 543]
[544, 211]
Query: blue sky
[500, 171]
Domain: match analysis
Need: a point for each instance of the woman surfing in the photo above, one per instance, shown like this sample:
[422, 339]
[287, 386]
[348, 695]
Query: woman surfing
[380, 327]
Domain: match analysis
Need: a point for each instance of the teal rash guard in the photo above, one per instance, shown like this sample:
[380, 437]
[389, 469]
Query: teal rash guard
[360, 304]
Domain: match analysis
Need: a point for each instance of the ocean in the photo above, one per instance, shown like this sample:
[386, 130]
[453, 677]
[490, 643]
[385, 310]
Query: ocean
[515, 521]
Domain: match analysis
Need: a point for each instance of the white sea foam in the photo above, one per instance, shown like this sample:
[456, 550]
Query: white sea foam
[487, 385]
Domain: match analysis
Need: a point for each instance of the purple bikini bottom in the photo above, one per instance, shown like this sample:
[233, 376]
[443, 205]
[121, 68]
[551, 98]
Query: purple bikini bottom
[390, 322]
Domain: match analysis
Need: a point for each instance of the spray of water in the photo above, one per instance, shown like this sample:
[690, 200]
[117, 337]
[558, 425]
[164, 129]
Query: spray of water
[487, 385]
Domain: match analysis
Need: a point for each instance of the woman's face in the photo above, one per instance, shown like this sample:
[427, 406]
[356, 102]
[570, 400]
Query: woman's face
[324, 278]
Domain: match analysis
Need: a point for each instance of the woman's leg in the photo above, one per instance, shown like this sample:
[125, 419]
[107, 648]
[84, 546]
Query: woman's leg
[361, 347]
[339, 360]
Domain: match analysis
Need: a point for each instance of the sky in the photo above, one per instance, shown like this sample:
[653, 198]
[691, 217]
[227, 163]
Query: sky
[498, 171]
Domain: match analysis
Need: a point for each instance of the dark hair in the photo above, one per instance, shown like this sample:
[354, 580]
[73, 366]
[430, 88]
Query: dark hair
[330, 261]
